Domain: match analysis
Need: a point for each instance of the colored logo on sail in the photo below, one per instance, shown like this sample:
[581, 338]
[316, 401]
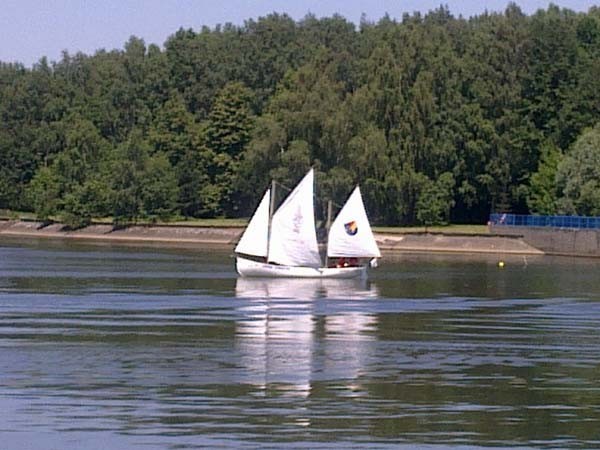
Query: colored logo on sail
[351, 228]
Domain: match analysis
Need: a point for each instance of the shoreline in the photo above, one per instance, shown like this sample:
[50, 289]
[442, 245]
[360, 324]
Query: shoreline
[428, 242]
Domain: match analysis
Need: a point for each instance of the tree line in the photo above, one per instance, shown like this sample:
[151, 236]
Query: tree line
[439, 118]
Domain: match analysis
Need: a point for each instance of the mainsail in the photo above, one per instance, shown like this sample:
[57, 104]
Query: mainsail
[350, 234]
[293, 239]
[255, 240]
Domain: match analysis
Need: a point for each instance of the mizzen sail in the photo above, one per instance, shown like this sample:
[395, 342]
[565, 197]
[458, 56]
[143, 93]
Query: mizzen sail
[350, 234]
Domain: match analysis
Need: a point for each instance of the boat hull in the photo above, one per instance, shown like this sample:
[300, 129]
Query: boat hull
[248, 268]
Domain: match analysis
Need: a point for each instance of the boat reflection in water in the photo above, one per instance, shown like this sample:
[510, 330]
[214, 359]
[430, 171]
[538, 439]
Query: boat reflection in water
[295, 332]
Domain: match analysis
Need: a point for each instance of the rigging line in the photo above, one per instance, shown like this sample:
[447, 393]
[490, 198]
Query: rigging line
[288, 189]
[336, 204]
[282, 185]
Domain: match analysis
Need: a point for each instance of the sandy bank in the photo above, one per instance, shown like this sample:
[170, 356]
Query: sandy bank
[228, 236]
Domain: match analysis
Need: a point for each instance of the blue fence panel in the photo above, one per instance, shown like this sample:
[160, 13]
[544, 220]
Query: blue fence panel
[522, 220]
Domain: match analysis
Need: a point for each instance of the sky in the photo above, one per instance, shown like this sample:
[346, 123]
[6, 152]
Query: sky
[30, 29]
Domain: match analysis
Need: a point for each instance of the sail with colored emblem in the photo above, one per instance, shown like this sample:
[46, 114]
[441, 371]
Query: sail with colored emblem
[293, 239]
[350, 234]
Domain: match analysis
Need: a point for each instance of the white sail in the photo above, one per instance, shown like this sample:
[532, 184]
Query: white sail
[293, 234]
[350, 234]
[255, 240]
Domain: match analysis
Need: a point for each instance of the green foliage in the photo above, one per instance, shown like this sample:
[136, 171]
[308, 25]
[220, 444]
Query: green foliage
[260, 158]
[543, 193]
[71, 187]
[227, 132]
[159, 189]
[578, 176]
[435, 201]
[142, 186]
[45, 190]
[76, 208]
[230, 120]
[177, 136]
[294, 162]
[436, 117]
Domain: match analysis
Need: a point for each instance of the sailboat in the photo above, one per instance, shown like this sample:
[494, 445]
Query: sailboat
[284, 243]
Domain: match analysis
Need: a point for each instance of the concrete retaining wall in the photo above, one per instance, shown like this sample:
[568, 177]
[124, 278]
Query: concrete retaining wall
[457, 243]
[557, 241]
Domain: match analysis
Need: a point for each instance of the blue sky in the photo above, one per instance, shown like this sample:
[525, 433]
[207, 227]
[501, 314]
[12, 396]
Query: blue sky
[30, 29]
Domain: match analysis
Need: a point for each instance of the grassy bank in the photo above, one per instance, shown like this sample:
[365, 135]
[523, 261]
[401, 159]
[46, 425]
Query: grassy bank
[212, 223]
[6, 214]
[446, 229]
[227, 223]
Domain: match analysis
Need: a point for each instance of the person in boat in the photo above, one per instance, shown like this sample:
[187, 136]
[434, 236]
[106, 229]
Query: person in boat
[346, 262]
[341, 262]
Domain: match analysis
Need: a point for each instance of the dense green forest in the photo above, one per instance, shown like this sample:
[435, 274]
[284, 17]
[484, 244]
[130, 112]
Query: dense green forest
[439, 118]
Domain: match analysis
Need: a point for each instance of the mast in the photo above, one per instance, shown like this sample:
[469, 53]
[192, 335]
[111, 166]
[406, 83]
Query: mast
[272, 205]
[328, 226]
[271, 212]
[329, 214]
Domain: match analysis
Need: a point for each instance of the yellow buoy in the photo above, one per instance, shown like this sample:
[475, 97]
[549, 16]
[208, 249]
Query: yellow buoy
[501, 264]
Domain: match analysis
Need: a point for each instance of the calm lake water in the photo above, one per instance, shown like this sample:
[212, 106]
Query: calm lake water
[110, 347]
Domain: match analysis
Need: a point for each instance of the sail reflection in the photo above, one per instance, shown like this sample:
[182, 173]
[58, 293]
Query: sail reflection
[286, 339]
[305, 288]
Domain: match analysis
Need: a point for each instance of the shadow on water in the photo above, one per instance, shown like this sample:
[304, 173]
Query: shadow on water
[105, 346]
